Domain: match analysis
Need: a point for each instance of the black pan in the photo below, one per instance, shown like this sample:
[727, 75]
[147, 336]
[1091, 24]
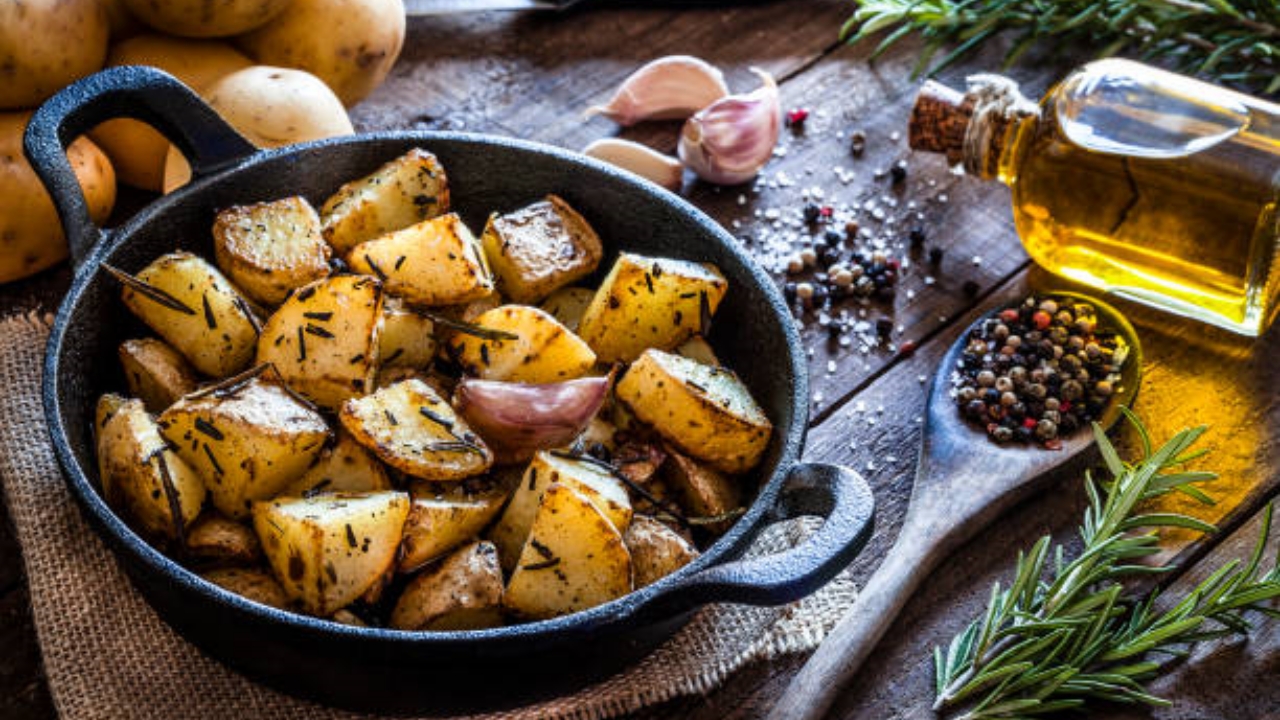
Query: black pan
[384, 670]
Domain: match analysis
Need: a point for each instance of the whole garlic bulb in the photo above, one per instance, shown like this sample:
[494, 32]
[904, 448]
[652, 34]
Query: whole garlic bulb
[729, 141]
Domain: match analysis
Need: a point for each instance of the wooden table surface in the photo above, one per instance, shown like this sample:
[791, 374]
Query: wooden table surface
[531, 76]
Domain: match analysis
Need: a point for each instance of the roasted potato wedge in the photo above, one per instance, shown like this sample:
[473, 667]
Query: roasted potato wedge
[701, 490]
[407, 338]
[215, 539]
[463, 592]
[247, 441]
[656, 550]
[697, 348]
[403, 192]
[574, 559]
[540, 248]
[345, 466]
[415, 431]
[543, 352]
[567, 305]
[106, 408]
[250, 583]
[593, 481]
[268, 249]
[649, 302]
[142, 477]
[196, 310]
[328, 550]
[155, 373]
[324, 339]
[435, 262]
[443, 517]
[703, 410]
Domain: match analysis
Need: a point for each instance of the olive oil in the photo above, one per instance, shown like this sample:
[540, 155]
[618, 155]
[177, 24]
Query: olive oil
[1146, 184]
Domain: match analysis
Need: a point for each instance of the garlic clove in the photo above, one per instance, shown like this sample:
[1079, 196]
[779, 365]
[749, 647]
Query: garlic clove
[639, 159]
[672, 87]
[729, 141]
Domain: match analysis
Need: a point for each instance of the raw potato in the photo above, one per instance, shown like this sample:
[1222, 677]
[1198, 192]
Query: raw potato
[270, 249]
[656, 550]
[544, 352]
[590, 480]
[215, 539]
[122, 23]
[136, 150]
[202, 18]
[271, 107]
[211, 325]
[703, 410]
[649, 303]
[250, 583]
[443, 517]
[435, 262]
[247, 441]
[328, 550]
[540, 248]
[414, 431]
[31, 237]
[323, 340]
[345, 467]
[703, 491]
[142, 478]
[407, 338]
[403, 192]
[350, 44]
[574, 559]
[155, 372]
[568, 304]
[46, 45]
[464, 592]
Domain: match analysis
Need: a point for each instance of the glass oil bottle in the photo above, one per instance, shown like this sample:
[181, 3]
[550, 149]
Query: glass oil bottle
[1140, 182]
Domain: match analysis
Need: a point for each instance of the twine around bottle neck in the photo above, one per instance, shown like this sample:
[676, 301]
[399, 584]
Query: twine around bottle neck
[996, 103]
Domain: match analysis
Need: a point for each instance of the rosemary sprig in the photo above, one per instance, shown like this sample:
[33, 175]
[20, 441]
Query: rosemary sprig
[1231, 41]
[1065, 633]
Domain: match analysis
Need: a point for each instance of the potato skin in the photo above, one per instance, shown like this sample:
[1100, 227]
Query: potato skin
[403, 192]
[270, 248]
[31, 237]
[250, 583]
[656, 550]
[203, 19]
[463, 592]
[47, 44]
[545, 351]
[350, 44]
[540, 248]
[155, 372]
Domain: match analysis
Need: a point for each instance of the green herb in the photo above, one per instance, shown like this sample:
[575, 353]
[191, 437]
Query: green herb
[1231, 41]
[1065, 633]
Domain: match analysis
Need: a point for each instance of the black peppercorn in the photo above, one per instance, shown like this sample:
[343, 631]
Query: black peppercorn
[898, 174]
[916, 236]
[935, 255]
[812, 213]
[832, 238]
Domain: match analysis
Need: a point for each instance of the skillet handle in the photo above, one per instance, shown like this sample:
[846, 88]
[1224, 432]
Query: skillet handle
[837, 493]
[143, 93]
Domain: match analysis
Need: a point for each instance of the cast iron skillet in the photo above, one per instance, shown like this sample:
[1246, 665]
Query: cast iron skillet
[383, 670]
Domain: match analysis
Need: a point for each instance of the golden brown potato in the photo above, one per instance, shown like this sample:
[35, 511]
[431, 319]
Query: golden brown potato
[656, 550]
[107, 406]
[247, 441]
[544, 351]
[136, 150]
[702, 491]
[416, 432]
[403, 192]
[197, 311]
[574, 559]
[215, 539]
[407, 338]
[250, 583]
[346, 466]
[323, 340]
[435, 262]
[568, 304]
[204, 19]
[463, 592]
[649, 302]
[270, 249]
[703, 410]
[143, 479]
[350, 44]
[46, 45]
[328, 550]
[31, 236]
[443, 517]
[156, 373]
[540, 248]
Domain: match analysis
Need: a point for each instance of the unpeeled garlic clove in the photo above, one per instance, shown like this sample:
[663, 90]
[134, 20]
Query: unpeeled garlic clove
[729, 141]
[672, 87]
[639, 159]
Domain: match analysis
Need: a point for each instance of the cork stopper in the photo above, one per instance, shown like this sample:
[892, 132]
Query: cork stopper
[972, 128]
[939, 121]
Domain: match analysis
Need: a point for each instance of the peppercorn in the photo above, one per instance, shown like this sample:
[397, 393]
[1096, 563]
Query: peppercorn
[907, 348]
[970, 288]
[832, 237]
[789, 291]
[812, 213]
[898, 174]
[935, 255]
[857, 143]
[916, 236]
[884, 326]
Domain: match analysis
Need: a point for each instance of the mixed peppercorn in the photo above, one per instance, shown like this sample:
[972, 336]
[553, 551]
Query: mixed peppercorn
[1038, 371]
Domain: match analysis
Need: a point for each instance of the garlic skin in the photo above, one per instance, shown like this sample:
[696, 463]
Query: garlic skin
[639, 159]
[669, 88]
[728, 142]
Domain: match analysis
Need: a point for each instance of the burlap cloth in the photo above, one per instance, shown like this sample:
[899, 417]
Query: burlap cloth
[108, 655]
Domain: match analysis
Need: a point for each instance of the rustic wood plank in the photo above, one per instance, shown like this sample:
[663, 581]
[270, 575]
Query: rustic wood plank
[23, 694]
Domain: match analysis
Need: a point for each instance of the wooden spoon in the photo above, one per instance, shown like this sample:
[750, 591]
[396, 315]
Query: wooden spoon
[963, 481]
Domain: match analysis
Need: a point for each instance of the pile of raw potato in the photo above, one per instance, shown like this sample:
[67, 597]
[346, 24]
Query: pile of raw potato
[280, 71]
